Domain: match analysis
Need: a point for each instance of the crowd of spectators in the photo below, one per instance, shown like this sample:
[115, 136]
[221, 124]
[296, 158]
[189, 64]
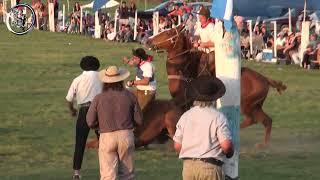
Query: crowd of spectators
[287, 43]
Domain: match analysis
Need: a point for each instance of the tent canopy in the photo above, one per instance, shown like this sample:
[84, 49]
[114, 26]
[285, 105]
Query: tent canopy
[109, 4]
[270, 8]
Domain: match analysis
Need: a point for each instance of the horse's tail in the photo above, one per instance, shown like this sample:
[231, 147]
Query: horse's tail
[277, 84]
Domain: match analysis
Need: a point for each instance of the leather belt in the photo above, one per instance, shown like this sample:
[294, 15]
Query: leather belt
[146, 91]
[213, 161]
[87, 104]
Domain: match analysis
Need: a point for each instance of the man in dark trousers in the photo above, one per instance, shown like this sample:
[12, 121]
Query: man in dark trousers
[83, 89]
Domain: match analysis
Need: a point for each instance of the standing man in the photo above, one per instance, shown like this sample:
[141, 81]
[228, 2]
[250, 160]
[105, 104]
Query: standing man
[206, 41]
[123, 14]
[115, 111]
[203, 138]
[145, 81]
[83, 89]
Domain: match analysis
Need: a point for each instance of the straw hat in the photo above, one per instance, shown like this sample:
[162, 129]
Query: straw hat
[205, 88]
[290, 33]
[113, 74]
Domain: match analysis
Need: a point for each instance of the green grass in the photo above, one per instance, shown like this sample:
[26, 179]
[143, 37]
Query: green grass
[37, 133]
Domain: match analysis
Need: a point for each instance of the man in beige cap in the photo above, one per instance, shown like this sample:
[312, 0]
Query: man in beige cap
[207, 37]
[115, 111]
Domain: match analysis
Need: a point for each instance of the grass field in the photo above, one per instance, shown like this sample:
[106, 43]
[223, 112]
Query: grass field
[37, 133]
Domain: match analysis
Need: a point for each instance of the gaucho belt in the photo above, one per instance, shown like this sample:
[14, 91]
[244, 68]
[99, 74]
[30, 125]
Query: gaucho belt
[87, 104]
[213, 161]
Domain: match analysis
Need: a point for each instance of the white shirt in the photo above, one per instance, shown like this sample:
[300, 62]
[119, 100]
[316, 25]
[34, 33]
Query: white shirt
[148, 70]
[280, 42]
[200, 132]
[206, 34]
[85, 87]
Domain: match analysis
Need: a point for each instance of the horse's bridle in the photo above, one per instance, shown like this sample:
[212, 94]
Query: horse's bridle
[171, 39]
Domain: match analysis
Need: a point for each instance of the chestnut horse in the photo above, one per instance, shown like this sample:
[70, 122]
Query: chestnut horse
[160, 118]
[184, 65]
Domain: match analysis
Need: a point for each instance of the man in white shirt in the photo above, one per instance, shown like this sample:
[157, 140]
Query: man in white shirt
[280, 44]
[145, 81]
[206, 41]
[83, 89]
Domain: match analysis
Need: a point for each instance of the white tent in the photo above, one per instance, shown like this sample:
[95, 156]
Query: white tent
[109, 4]
[97, 32]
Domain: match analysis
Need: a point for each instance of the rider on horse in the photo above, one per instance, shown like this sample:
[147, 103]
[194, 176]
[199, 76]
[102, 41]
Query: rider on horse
[145, 81]
[206, 41]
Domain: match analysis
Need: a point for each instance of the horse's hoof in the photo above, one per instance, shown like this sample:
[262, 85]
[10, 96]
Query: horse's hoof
[93, 144]
[261, 146]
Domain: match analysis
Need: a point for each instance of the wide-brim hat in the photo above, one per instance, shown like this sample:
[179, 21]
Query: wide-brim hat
[204, 12]
[113, 74]
[205, 88]
[290, 33]
[140, 52]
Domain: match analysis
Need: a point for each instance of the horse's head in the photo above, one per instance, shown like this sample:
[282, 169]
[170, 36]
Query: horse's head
[166, 40]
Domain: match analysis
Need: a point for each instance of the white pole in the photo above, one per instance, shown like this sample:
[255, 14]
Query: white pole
[68, 3]
[250, 36]
[135, 32]
[81, 17]
[115, 20]
[51, 17]
[305, 10]
[145, 4]
[257, 22]
[4, 10]
[96, 25]
[157, 21]
[37, 19]
[13, 3]
[318, 27]
[154, 23]
[179, 20]
[275, 38]
[305, 33]
[290, 24]
[63, 15]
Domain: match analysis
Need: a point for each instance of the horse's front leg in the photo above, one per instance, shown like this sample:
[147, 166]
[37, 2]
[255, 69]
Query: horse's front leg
[149, 132]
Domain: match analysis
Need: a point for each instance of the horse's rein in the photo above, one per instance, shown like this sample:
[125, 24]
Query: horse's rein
[179, 54]
[171, 39]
